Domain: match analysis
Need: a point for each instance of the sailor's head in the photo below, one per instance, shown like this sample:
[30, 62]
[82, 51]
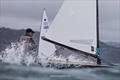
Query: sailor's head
[29, 32]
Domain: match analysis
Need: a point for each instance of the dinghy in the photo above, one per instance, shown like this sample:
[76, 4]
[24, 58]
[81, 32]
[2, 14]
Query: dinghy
[76, 27]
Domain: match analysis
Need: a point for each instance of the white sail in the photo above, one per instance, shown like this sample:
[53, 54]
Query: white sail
[45, 48]
[75, 26]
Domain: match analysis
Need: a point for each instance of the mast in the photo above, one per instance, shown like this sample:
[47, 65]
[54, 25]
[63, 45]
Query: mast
[97, 25]
[97, 22]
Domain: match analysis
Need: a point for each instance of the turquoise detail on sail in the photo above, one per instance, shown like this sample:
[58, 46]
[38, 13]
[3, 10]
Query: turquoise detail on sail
[98, 51]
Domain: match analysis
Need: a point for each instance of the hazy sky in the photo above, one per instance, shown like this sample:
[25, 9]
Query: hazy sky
[19, 14]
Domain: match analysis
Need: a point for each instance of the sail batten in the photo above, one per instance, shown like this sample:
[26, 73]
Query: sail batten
[75, 26]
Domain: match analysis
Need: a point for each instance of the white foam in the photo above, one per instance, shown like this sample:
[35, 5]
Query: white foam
[14, 54]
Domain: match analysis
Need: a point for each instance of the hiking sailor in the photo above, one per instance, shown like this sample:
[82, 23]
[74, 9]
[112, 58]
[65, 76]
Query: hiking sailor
[30, 48]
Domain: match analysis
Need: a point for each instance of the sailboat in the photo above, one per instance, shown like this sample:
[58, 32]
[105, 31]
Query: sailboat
[46, 49]
[76, 26]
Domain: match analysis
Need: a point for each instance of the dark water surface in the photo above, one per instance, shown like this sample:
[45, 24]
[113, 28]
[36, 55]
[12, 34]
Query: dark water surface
[19, 72]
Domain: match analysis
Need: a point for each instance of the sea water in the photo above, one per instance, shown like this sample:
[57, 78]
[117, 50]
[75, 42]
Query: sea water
[20, 72]
[12, 69]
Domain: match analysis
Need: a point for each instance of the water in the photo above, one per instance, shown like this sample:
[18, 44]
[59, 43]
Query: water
[12, 69]
[19, 72]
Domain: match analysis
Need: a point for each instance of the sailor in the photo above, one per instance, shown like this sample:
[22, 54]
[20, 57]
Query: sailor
[28, 42]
